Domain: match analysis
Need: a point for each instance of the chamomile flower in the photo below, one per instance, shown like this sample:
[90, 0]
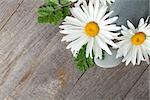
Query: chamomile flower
[90, 25]
[135, 43]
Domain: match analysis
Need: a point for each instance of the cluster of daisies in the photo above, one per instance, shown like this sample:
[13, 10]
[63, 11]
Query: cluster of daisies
[90, 24]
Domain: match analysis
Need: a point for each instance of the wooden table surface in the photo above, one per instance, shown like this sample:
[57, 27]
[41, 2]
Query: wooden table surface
[34, 64]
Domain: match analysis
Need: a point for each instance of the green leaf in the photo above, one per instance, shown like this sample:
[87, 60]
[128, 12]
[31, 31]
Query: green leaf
[81, 61]
[52, 12]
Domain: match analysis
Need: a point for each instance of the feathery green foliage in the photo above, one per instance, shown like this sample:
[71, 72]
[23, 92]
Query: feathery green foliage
[53, 12]
[81, 61]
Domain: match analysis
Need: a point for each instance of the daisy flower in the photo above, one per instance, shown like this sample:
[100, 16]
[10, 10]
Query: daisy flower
[104, 2]
[90, 25]
[135, 43]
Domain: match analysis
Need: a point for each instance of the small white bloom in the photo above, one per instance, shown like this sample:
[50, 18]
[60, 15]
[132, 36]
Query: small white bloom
[90, 25]
[135, 43]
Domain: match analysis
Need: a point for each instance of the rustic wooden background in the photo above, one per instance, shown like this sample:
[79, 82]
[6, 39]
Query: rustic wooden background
[34, 64]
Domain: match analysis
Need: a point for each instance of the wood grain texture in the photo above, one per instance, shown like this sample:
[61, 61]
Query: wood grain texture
[27, 48]
[107, 84]
[54, 77]
[141, 89]
[7, 9]
[22, 40]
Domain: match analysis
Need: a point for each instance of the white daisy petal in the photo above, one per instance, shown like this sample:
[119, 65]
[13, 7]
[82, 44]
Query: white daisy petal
[143, 27]
[126, 46]
[96, 9]
[124, 28]
[107, 34]
[71, 31]
[107, 15]
[126, 49]
[91, 10]
[108, 41]
[111, 20]
[71, 37]
[111, 28]
[141, 22]
[86, 11]
[103, 45]
[73, 21]
[145, 54]
[126, 33]
[131, 26]
[81, 41]
[77, 44]
[140, 56]
[119, 53]
[85, 4]
[146, 44]
[148, 26]
[70, 27]
[128, 58]
[103, 2]
[89, 48]
[121, 43]
[101, 12]
[134, 55]
[128, 61]
[97, 50]
[83, 15]
[75, 13]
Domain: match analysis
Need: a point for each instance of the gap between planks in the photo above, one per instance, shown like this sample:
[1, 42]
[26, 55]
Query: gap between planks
[86, 84]
[136, 82]
[11, 15]
[119, 69]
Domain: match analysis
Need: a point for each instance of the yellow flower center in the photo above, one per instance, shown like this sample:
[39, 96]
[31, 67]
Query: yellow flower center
[92, 29]
[138, 38]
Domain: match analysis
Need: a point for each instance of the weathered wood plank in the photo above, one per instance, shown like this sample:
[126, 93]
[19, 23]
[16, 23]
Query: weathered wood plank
[7, 10]
[141, 89]
[53, 79]
[107, 84]
[25, 72]
[22, 40]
